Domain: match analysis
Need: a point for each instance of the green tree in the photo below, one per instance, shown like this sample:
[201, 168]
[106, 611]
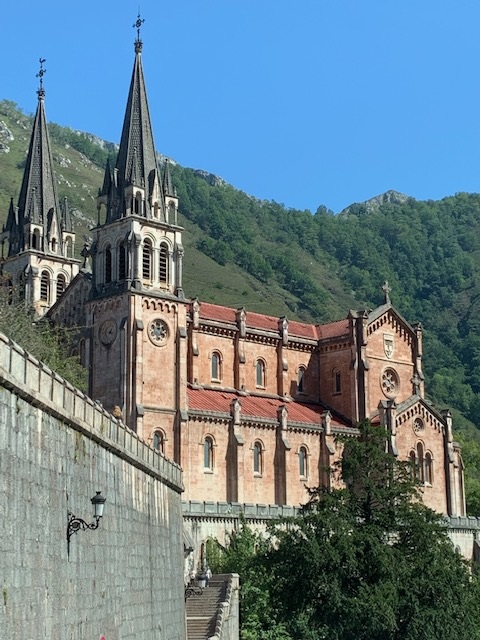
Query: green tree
[366, 561]
[52, 346]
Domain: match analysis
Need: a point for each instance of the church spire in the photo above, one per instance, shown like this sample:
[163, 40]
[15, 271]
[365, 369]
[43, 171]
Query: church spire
[38, 201]
[136, 173]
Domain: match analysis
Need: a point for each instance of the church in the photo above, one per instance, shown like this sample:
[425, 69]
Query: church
[249, 405]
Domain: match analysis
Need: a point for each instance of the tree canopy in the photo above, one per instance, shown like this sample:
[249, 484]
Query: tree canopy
[366, 561]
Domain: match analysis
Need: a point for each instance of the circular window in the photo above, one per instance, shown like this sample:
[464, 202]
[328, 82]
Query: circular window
[418, 425]
[390, 382]
[158, 332]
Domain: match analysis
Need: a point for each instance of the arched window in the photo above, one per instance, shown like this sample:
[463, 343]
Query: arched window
[68, 248]
[412, 459]
[301, 380]
[208, 453]
[428, 468]
[216, 366]
[122, 261]
[260, 373]
[163, 266]
[171, 213]
[45, 286]
[302, 462]
[147, 259]
[108, 264]
[420, 462]
[61, 285]
[337, 381]
[158, 440]
[257, 458]
[54, 246]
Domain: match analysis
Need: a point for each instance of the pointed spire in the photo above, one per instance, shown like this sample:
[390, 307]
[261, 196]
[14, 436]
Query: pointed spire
[107, 180]
[167, 180]
[137, 157]
[38, 201]
[67, 222]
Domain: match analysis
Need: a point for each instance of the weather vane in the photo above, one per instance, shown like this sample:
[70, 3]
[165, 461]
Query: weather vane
[41, 73]
[138, 24]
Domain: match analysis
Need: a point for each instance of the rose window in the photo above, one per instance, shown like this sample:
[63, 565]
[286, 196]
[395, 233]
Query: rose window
[418, 425]
[390, 382]
[158, 332]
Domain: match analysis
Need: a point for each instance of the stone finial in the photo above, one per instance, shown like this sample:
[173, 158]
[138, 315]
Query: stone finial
[196, 313]
[282, 414]
[327, 422]
[235, 410]
[242, 321]
[283, 329]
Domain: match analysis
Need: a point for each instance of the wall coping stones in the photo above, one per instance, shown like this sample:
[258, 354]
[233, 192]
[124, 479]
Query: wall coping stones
[30, 379]
[235, 510]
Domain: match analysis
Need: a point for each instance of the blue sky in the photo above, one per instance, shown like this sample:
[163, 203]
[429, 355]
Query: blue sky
[305, 102]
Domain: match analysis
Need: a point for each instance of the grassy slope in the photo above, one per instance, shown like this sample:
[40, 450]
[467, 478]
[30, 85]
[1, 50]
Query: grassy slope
[229, 284]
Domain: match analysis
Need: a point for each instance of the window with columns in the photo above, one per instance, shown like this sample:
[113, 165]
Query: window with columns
[108, 264]
[122, 261]
[147, 255]
[61, 285]
[45, 286]
[163, 264]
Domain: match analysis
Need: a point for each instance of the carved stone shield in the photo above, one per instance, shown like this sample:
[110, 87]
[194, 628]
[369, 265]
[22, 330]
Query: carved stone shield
[388, 345]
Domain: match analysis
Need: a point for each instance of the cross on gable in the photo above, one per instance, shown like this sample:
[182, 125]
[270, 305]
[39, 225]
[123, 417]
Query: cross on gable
[386, 288]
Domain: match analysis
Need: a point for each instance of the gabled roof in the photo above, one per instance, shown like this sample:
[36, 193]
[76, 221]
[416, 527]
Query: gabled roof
[379, 311]
[413, 400]
[263, 408]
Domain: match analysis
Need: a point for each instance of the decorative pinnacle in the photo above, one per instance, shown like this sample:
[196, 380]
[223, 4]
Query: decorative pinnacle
[137, 26]
[40, 74]
[386, 288]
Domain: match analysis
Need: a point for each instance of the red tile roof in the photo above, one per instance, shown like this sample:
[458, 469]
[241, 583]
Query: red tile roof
[255, 406]
[303, 330]
[219, 313]
[216, 312]
[333, 329]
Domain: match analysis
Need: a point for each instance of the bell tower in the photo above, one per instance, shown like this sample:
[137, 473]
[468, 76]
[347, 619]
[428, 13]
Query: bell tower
[138, 243]
[137, 311]
[39, 231]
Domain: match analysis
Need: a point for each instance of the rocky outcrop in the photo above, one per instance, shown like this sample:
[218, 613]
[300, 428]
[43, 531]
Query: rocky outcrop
[6, 136]
[391, 196]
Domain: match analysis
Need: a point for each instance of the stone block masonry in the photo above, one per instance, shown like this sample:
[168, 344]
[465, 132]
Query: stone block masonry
[123, 580]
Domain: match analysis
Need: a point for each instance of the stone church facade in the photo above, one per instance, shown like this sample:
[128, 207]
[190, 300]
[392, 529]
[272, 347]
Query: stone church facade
[250, 406]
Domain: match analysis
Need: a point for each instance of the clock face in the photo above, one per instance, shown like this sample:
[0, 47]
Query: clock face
[158, 332]
[108, 331]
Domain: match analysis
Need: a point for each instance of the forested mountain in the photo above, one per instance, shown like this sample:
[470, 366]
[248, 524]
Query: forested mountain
[241, 251]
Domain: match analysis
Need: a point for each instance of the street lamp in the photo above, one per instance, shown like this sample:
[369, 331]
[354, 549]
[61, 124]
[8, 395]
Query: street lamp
[75, 524]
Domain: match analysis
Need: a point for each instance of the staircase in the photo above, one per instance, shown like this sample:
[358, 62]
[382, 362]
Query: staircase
[202, 610]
